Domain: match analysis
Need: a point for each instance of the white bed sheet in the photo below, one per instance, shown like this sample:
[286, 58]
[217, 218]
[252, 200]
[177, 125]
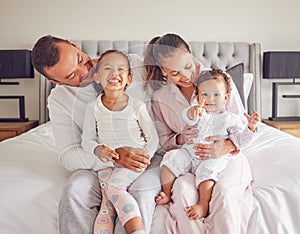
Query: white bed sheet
[31, 181]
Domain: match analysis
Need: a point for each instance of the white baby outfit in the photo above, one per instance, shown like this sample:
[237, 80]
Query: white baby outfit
[225, 125]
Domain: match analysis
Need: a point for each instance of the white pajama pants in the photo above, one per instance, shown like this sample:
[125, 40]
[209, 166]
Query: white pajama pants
[181, 161]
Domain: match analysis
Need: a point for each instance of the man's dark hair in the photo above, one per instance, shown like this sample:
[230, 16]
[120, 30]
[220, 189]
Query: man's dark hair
[45, 53]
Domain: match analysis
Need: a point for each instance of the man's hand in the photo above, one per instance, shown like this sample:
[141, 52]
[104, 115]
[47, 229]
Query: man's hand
[132, 158]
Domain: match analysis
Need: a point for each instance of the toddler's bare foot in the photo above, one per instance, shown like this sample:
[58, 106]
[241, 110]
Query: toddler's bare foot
[197, 211]
[162, 199]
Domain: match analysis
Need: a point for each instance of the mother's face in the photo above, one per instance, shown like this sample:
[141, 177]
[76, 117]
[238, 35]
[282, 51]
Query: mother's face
[179, 68]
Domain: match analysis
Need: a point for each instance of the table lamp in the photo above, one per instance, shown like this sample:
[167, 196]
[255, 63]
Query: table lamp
[15, 64]
[281, 65]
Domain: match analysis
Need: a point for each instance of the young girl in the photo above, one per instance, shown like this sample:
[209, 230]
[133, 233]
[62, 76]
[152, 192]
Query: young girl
[116, 120]
[209, 114]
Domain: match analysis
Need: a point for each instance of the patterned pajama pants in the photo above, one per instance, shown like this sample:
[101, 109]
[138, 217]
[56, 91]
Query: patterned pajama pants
[116, 201]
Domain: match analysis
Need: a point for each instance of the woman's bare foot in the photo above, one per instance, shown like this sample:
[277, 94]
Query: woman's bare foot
[162, 199]
[197, 211]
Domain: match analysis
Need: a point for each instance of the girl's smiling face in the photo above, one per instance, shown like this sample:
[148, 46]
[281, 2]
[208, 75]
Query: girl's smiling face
[113, 72]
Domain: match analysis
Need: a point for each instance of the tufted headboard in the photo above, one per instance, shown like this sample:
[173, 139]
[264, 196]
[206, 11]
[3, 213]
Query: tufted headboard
[210, 54]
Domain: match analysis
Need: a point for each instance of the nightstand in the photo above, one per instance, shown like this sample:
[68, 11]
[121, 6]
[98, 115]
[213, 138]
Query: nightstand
[12, 129]
[291, 127]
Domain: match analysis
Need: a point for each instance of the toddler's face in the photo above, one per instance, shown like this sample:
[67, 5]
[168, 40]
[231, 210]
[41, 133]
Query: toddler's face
[113, 72]
[214, 93]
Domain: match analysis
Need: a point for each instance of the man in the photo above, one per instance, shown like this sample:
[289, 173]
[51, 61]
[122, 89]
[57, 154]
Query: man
[64, 64]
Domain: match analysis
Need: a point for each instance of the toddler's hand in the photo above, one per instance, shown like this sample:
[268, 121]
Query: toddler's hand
[252, 120]
[194, 111]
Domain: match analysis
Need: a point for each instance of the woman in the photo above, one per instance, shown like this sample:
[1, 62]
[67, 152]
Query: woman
[171, 71]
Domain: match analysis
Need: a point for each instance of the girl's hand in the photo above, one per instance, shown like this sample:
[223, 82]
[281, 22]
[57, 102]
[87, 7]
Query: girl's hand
[252, 120]
[216, 149]
[106, 154]
[134, 159]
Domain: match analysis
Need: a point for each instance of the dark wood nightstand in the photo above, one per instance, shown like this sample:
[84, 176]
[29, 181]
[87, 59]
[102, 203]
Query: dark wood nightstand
[291, 127]
[12, 129]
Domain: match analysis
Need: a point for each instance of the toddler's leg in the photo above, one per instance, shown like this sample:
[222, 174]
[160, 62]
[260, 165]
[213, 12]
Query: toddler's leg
[206, 172]
[175, 163]
[200, 210]
[167, 181]
[104, 222]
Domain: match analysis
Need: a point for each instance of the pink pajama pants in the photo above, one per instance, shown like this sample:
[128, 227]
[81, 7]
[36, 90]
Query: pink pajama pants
[229, 208]
[115, 199]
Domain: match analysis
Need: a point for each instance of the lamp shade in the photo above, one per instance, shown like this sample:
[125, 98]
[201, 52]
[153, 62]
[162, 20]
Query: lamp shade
[16, 64]
[281, 64]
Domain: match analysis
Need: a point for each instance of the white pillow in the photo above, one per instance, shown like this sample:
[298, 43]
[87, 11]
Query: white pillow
[137, 87]
[248, 80]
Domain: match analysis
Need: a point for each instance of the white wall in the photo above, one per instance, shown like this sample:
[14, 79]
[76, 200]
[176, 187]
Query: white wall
[273, 23]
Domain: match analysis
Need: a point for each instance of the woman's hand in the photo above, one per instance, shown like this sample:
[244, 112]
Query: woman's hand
[106, 154]
[132, 158]
[216, 149]
[189, 132]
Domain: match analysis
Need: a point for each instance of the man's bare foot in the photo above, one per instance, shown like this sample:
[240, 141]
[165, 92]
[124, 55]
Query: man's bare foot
[197, 211]
[162, 199]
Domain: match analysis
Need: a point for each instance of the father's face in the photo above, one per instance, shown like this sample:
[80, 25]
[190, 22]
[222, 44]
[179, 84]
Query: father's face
[73, 67]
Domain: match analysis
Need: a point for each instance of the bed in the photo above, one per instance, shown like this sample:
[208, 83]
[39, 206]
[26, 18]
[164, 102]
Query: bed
[32, 179]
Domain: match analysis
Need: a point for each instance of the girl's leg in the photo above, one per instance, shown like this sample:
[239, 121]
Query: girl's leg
[124, 204]
[104, 222]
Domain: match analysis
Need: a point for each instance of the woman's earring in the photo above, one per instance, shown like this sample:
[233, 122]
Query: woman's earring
[165, 77]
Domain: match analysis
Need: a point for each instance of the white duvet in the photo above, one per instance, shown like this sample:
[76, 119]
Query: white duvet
[31, 181]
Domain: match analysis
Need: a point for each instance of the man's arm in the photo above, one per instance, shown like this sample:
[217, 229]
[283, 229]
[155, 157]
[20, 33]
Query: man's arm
[67, 136]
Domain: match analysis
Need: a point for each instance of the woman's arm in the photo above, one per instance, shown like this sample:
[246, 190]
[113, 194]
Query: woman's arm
[218, 148]
[168, 139]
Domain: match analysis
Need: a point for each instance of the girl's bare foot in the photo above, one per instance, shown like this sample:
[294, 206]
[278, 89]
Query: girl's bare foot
[162, 199]
[197, 211]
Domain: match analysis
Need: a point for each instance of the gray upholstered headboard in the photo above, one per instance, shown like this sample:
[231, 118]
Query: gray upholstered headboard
[210, 54]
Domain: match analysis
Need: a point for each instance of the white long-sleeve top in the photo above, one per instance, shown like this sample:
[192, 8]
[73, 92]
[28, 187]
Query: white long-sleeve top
[226, 125]
[131, 126]
[67, 106]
